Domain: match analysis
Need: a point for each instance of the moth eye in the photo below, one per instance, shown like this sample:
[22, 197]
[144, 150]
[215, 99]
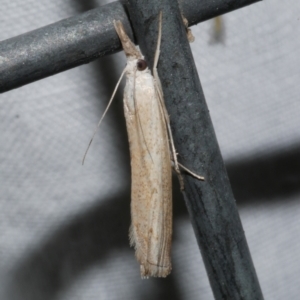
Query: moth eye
[141, 65]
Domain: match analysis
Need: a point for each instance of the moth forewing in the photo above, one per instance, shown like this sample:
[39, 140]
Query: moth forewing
[151, 185]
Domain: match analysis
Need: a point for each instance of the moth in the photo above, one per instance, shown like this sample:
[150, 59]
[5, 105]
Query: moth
[152, 155]
[151, 172]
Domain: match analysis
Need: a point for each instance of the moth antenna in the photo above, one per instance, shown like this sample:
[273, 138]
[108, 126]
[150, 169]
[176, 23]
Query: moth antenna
[161, 99]
[165, 113]
[107, 107]
[157, 51]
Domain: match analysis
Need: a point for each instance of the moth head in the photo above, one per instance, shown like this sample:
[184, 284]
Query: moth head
[128, 46]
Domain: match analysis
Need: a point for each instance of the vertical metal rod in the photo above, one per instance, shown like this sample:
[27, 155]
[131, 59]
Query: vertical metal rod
[211, 203]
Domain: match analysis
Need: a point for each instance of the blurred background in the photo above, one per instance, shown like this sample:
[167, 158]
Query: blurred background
[64, 226]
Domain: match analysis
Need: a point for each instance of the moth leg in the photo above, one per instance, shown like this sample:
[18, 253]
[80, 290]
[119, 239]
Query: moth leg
[171, 140]
[188, 171]
[176, 168]
[191, 172]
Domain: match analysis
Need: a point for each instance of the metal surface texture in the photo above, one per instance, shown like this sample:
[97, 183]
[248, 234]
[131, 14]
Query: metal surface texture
[60, 46]
[197, 11]
[80, 39]
[211, 204]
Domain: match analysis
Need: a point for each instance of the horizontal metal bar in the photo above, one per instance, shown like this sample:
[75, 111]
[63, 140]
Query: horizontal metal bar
[80, 39]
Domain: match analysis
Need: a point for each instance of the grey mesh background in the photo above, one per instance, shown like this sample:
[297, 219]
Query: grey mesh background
[63, 227]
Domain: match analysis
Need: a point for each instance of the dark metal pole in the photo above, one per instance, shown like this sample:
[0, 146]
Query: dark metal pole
[81, 39]
[60, 46]
[211, 203]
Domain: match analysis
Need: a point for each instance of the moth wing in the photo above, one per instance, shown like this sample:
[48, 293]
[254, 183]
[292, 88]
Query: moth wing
[151, 188]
